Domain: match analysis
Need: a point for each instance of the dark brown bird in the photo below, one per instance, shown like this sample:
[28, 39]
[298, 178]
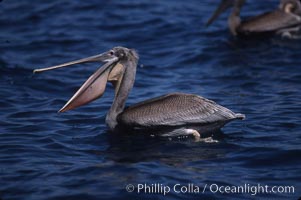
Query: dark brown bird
[171, 114]
[283, 21]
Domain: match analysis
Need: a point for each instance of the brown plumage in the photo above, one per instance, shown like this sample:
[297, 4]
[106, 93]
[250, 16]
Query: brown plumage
[269, 22]
[175, 109]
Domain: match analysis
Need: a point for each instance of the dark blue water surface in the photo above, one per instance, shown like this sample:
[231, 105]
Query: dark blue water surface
[46, 155]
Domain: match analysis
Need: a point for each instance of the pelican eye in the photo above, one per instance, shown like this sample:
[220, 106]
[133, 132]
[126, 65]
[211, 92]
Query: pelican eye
[111, 53]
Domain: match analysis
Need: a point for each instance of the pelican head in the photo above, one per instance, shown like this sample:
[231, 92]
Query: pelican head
[223, 6]
[117, 61]
[290, 6]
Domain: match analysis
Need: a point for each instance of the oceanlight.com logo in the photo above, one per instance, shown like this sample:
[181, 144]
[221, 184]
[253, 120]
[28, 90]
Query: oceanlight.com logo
[191, 188]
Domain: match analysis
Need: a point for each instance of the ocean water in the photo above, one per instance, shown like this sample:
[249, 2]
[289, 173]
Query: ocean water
[46, 155]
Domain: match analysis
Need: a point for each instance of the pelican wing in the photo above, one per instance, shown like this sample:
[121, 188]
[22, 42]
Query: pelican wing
[270, 22]
[176, 109]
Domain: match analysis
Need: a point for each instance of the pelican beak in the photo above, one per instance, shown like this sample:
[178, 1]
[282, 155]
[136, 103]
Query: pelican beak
[223, 6]
[94, 86]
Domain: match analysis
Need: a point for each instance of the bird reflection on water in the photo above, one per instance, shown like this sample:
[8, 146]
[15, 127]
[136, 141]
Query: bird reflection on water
[170, 151]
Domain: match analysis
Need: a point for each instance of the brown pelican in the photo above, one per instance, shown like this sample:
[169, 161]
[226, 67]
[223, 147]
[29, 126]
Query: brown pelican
[283, 21]
[170, 114]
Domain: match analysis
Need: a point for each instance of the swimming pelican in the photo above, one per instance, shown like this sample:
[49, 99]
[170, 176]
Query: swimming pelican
[170, 114]
[283, 21]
